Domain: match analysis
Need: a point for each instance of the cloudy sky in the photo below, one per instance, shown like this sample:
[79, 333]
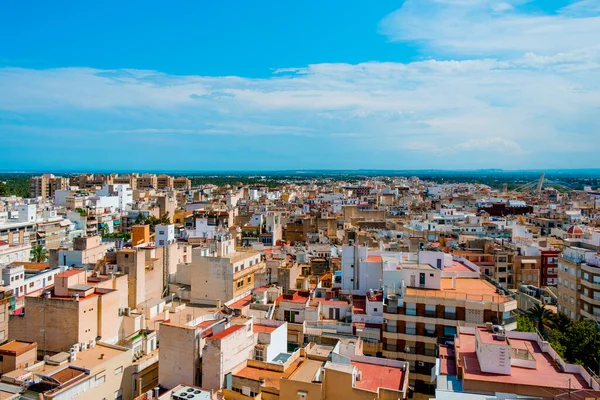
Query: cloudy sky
[449, 84]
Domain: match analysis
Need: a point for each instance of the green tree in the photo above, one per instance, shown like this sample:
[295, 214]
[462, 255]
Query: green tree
[561, 322]
[583, 343]
[141, 219]
[541, 316]
[39, 253]
[524, 324]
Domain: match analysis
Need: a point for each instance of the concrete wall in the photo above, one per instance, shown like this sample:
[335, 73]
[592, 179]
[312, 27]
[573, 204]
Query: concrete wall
[278, 342]
[178, 356]
[66, 322]
[226, 355]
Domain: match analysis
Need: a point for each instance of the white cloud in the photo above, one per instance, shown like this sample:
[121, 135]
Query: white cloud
[481, 27]
[531, 86]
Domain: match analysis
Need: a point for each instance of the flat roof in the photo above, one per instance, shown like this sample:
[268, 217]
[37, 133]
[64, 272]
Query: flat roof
[458, 266]
[272, 379]
[466, 288]
[307, 371]
[69, 273]
[100, 354]
[226, 332]
[17, 347]
[545, 374]
[241, 303]
[379, 376]
[263, 328]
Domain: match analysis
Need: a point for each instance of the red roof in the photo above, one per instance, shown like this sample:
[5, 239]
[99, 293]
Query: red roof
[329, 302]
[241, 303]
[374, 259]
[263, 328]
[69, 273]
[226, 332]
[375, 376]
[298, 297]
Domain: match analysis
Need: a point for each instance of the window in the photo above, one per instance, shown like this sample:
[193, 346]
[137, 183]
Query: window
[50, 278]
[249, 279]
[375, 309]
[119, 394]
[31, 284]
[100, 380]
[118, 370]
[411, 309]
[449, 331]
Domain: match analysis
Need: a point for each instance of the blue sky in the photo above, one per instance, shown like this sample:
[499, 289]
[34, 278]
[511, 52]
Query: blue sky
[451, 84]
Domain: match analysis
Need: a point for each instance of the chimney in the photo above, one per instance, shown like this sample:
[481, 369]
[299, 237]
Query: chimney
[156, 390]
[454, 281]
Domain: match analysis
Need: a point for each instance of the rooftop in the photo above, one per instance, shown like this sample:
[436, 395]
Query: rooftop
[263, 328]
[17, 347]
[379, 376]
[226, 332]
[271, 378]
[306, 371]
[466, 288]
[241, 303]
[544, 375]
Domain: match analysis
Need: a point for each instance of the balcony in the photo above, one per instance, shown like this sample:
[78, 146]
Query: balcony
[510, 320]
[591, 285]
[410, 331]
[590, 300]
[450, 315]
[411, 312]
[430, 333]
[430, 314]
[430, 352]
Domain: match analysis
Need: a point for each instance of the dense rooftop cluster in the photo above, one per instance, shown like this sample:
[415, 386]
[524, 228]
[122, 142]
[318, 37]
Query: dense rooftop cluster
[144, 286]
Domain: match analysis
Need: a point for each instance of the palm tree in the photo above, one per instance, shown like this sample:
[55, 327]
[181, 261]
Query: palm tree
[541, 315]
[561, 322]
[39, 254]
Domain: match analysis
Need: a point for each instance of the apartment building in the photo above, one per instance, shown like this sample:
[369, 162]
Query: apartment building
[17, 354]
[577, 255]
[74, 312]
[44, 186]
[549, 267]
[488, 362]
[89, 370]
[14, 252]
[227, 275]
[164, 182]
[343, 372]
[6, 300]
[182, 182]
[424, 306]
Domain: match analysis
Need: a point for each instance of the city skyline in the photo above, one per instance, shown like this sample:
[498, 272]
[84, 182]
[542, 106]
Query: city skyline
[396, 86]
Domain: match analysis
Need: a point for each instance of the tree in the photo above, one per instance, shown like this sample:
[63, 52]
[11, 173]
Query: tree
[524, 324]
[583, 343]
[39, 254]
[541, 315]
[141, 219]
[561, 322]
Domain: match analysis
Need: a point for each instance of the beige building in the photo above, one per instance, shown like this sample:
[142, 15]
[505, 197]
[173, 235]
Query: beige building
[89, 370]
[164, 182]
[429, 309]
[228, 275]
[74, 312]
[17, 354]
[44, 186]
[6, 294]
[579, 279]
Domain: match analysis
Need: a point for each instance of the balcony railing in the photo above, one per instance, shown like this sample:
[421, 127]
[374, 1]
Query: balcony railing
[411, 312]
[430, 314]
[450, 315]
[410, 331]
[430, 333]
[509, 320]
[430, 352]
